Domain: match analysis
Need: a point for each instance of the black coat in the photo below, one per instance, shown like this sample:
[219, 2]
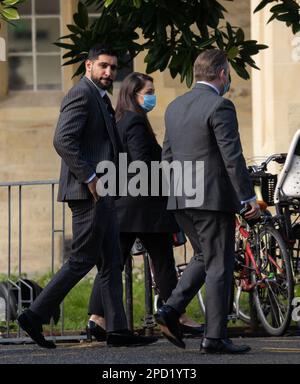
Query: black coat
[143, 214]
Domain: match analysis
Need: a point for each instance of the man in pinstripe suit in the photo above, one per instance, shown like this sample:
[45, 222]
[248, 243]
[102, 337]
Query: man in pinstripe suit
[85, 135]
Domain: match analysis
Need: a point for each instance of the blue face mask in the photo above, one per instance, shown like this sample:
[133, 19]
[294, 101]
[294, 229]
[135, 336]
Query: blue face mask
[149, 102]
[226, 87]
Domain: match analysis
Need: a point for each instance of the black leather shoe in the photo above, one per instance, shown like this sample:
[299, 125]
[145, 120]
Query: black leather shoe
[32, 325]
[195, 331]
[167, 318]
[93, 329]
[126, 338]
[222, 346]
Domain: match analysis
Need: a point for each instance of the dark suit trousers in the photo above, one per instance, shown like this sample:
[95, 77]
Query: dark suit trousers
[95, 242]
[211, 234]
[160, 249]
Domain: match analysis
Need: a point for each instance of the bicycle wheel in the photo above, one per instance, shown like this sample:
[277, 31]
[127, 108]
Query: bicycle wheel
[243, 304]
[200, 298]
[243, 307]
[294, 253]
[274, 285]
[237, 298]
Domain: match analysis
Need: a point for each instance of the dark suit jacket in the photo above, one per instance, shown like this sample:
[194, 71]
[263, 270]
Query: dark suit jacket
[141, 213]
[202, 126]
[84, 136]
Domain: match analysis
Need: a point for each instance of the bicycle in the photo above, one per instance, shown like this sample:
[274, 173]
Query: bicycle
[287, 203]
[152, 297]
[263, 282]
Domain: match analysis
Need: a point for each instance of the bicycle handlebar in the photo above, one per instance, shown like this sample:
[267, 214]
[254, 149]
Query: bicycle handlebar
[278, 158]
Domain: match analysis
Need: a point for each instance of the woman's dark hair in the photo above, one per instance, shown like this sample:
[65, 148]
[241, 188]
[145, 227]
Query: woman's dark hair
[131, 85]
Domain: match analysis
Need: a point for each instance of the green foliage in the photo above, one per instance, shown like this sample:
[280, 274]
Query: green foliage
[76, 303]
[287, 11]
[174, 33]
[8, 10]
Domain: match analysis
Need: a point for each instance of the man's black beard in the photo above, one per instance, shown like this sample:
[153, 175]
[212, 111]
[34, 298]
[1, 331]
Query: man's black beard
[99, 84]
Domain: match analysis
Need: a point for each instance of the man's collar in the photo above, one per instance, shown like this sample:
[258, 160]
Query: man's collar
[100, 90]
[210, 85]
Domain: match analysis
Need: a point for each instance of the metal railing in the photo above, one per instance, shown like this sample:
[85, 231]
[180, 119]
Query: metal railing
[16, 284]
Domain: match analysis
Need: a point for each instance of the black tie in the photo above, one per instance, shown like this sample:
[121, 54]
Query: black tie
[109, 107]
[111, 112]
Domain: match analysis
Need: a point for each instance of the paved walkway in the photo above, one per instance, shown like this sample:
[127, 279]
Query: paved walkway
[266, 350]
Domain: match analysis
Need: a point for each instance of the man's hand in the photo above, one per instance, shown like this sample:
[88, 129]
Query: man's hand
[254, 212]
[92, 188]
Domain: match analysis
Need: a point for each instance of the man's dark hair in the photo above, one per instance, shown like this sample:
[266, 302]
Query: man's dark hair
[100, 49]
[209, 64]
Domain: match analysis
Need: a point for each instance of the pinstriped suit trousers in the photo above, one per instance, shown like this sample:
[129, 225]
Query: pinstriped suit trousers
[95, 242]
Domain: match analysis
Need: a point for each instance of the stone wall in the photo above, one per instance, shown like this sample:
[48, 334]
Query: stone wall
[275, 90]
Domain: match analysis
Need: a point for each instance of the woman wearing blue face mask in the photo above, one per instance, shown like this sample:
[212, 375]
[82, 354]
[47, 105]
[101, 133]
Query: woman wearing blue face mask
[143, 217]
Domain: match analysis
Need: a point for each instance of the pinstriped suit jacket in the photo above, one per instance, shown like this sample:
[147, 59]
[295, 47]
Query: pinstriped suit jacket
[84, 136]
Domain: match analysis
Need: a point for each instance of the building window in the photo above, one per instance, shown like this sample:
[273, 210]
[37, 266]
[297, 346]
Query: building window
[34, 61]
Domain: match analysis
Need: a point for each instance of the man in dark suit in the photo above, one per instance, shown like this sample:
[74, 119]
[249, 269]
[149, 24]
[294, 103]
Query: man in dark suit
[85, 135]
[201, 126]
